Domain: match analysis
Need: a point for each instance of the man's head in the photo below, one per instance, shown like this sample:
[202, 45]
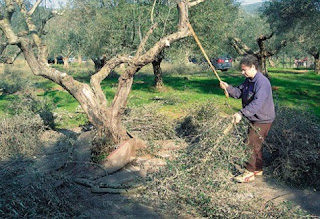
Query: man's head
[249, 66]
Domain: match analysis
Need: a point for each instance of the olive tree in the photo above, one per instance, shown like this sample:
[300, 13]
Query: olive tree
[249, 38]
[299, 20]
[104, 115]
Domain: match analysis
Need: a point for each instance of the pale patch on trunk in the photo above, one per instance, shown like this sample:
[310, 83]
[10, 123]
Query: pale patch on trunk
[79, 60]
[125, 154]
[66, 62]
[317, 66]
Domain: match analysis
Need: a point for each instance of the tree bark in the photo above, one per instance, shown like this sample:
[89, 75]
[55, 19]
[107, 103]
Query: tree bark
[317, 64]
[158, 82]
[316, 55]
[263, 63]
[79, 60]
[99, 63]
[66, 62]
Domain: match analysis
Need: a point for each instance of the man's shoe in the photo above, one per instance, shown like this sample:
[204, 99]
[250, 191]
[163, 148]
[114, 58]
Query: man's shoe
[258, 173]
[245, 177]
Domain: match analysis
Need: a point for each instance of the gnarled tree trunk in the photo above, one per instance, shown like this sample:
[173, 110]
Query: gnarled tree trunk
[317, 64]
[79, 59]
[316, 55]
[66, 62]
[157, 71]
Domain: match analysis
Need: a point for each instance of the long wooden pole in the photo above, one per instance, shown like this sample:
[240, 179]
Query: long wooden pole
[205, 55]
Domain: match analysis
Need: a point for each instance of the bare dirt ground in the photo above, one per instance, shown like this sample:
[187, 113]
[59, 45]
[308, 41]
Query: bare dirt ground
[91, 192]
[270, 190]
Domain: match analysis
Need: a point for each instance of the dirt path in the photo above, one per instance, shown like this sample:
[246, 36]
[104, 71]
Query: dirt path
[270, 190]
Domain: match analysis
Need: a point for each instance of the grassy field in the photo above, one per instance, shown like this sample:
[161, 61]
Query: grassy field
[184, 88]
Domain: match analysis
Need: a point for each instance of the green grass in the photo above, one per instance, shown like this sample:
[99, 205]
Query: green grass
[298, 89]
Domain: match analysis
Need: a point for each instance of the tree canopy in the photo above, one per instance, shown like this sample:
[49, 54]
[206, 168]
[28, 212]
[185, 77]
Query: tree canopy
[298, 21]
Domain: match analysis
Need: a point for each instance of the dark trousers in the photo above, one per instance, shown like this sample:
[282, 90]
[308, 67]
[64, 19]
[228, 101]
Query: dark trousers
[256, 135]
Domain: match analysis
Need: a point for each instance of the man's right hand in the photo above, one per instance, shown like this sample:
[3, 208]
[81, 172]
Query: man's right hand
[224, 85]
[237, 118]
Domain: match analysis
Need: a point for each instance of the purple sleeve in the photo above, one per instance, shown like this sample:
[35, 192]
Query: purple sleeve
[235, 92]
[262, 91]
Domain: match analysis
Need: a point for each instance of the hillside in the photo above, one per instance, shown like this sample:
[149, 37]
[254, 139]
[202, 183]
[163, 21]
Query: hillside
[252, 8]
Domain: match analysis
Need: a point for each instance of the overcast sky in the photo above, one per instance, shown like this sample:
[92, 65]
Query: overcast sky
[247, 2]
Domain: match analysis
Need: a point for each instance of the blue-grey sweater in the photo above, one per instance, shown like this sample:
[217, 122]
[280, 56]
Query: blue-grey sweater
[257, 101]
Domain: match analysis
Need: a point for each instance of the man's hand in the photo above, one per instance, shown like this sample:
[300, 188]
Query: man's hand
[224, 85]
[237, 118]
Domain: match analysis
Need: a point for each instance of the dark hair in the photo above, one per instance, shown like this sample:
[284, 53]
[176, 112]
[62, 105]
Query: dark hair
[250, 60]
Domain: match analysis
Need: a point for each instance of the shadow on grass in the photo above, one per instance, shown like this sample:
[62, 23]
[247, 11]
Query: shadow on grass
[145, 82]
[298, 92]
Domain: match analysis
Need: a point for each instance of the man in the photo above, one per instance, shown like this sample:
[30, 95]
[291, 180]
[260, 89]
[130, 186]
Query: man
[258, 108]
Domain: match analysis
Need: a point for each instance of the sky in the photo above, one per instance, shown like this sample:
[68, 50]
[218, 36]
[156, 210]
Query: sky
[247, 2]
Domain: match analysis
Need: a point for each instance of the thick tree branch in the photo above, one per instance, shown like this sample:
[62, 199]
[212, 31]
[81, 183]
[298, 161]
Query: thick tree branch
[80, 91]
[145, 39]
[278, 47]
[9, 10]
[125, 81]
[240, 47]
[12, 38]
[42, 49]
[45, 21]
[152, 10]
[195, 2]
[265, 37]
[32, 10]
[97, 78]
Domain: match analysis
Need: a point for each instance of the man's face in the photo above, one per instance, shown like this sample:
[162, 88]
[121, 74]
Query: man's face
[248, 72]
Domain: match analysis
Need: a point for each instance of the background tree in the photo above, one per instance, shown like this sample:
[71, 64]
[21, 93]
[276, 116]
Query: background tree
[252, 28]
[212, 22]
[299, 21]
[64, 37]
[116, 32]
